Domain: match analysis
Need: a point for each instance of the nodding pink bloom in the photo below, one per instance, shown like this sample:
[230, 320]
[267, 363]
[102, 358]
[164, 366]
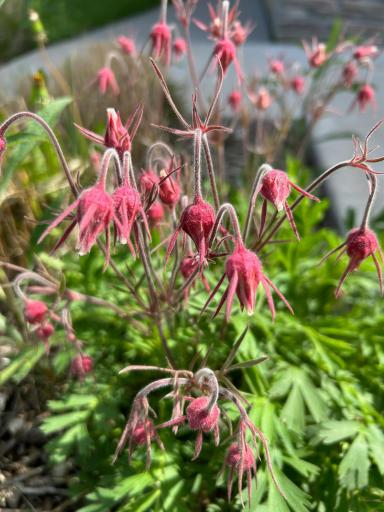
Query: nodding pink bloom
[128, 206]
[148, 180]
[169, 190]
[117, 135]
[188, 266]
[35, 311]
[94, 213]
[161, 42]
[359, 245]
[365, 97]
[155, 213]
[240, 459]
[81, 365]
[179, 47]
[276, 188]
[262, 99]
[143, 433]
[203, 420]
[298, 84]
[245, 272]
[234, 100]
[197, 221]
[350, 71]
[225, 51]
[317, 54]
[277, 67]
[365, 52]
[107, 81]
[239, 32]
[45, 331]
[127, 45]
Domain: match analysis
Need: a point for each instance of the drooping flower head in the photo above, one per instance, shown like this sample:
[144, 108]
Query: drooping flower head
[81, 365]
[365, 97]
[240, 459]
[316, 54]
[225, 51]
[203, 419]
[107, 81]
[148, 180]
[276, 188]
[127, 45]
[35, 311]
[350, 72]
[179, 47]
[298, 84]
[365, 52]
[262, 99]
[45, 331]
[239, 32]
[169, 189]
[117, 135]
[155, 213]
[277, 67]
[234, 100]
[143, 432]
[161, 42]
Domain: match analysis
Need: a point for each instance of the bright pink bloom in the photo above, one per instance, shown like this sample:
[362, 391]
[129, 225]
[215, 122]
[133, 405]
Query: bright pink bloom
[202, 419]
[94, 213]
[225, 51]
[245, 272]
[81, 365]
[107, 80]
[161, 42]
[365, 52]
[350, 71]
[45, 331]
[298, 84]
[127, 203]
[276, 188]
[155, 213]
[179, 47]
[169, 191]
[143, 433]
[365, 97]
[359, 245]
[234, 100]
[127, 45]
[117, 135]
[277, 67]
[240, 459]
[197, 221]
[148, 180]
[35, 311]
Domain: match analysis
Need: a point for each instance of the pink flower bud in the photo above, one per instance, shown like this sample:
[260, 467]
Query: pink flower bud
[155, 213]
[197, 221]
[239, 33]
[116, 134]
[142, 432]
[161, 42]
[45, 331]
[35, 311]
[263, 99]
[350, 71]
[148, 180]
[81, 365]
[365, 52]
[127, 45]
[179, 47]
[234, 100]
[225, 50]
[127, 203]
[107, 80]
[277, 67]
[234, 457]
[318, 56]
[276, 188]
[188, 266]
[169, 191]
[365, 97]
[361, 243]
[199, 418]
[298, 84]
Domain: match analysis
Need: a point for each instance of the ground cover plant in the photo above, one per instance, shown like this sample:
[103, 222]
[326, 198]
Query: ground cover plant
[191, 344]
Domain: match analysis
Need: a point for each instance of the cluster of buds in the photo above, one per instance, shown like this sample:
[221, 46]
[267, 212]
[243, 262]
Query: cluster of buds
[197, 406]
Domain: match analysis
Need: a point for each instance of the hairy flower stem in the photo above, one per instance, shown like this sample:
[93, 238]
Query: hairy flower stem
[197, 163]
[370, 202]
[104, 166]
[211, 172]
[26, 276]
[163, 15]
[192, 67]
[207, 376]
[227, 208]
[225, 18]
[262, 170]
[21, 115]
[153, 148]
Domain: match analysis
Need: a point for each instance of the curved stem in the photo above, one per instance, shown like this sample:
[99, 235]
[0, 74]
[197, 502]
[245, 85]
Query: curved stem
[227, 208]
[20, 115]
[211, 172]
[370, 202]
[158, 384]
[104, 166]
[261, 172]
[151, 150]
[28, 276]
[207, 376]
[197, 162]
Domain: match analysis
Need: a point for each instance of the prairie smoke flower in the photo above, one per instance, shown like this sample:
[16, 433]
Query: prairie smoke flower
[239, 459]
[148, 180]
[365, 52]
[350, 71]
[262, 99]
[365, 97]
[298, 84]
[45, 331]
[143, 433]
[316, 54]
[155, 213]
[169, 190]
[215, 28]
[225, 51]
[197, 221]
[204, 419]
[161, 42]
[359, 245]
[245, 272]
[239, 32]
[107, 81]
[275, 188]
[127, 45]
[179, 47]
[117, 135]
[234, 100]
[35, 311]
[277, 67]
[81, 365]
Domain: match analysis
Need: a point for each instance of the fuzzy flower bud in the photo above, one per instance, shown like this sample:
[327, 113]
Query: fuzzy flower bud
[234, 100]
[107, 81]
[142, 432]
[45, 331]
[35, 311]
[225, 51]
[148, 180]
[234, 457]
[198, 416]
[350, 71]
[239, 33]
[116, 134]
[277, 67]
[81, 365]
[262, 99]
[127, 45]
[365, 97]
[365, 52]
[298, 84]
[179, 47]
[169, 190]
[155, 213]
[161, 42]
